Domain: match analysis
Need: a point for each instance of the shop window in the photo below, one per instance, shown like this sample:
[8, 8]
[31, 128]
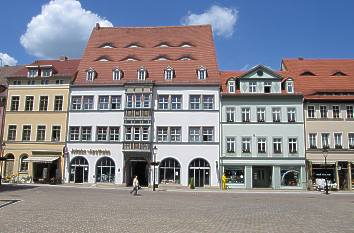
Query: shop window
[105, 170]
[235, 175]
[170, 171]
[23, 164]
[290, 176]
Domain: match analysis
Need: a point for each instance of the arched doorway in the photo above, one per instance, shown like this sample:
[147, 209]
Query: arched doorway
[9, 165]
[170, 171]
[23, 163]
[79, 169]
[105, 170]
[199, 170]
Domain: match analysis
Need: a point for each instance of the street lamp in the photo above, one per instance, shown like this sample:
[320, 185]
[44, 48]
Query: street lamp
[325, 153]
[154, 163]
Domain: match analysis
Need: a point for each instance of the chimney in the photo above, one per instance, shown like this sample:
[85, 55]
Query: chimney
[63, 58]
[97, 26]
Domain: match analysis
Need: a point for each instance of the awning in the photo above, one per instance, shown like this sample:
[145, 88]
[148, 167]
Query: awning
[41, 159]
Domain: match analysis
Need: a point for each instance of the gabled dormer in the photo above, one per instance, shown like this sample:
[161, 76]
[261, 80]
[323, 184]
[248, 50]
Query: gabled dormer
[202, 73]
[90, 74]
[46, 70]
[289, 86]
[33, 71]
[169, 73]
[117, 74]
[260, 79]
[142, 73]
[231, 85]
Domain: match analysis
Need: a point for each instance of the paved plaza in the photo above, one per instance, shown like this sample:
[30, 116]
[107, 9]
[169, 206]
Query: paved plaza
[73, 209]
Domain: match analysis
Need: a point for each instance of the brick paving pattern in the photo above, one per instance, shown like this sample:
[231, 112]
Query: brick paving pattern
[67, 209]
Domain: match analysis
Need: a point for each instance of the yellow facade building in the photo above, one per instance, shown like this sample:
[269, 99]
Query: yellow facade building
[36, 121]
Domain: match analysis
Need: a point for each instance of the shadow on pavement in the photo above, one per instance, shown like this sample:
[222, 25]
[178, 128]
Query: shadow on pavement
[15, 187]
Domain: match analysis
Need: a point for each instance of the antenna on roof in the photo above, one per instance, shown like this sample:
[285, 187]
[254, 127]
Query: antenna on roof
[97, 26]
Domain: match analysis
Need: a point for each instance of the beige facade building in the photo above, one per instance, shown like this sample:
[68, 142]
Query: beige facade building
[36, 121]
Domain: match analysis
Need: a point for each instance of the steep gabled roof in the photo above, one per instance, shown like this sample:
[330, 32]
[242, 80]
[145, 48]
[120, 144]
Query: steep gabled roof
[6, 71]
[200, 39]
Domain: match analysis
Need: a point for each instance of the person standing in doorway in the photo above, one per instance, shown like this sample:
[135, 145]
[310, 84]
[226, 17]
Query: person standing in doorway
[135, 186]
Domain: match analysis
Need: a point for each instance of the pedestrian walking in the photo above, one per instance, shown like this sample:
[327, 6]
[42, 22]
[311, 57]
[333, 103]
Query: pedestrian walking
[135, 186]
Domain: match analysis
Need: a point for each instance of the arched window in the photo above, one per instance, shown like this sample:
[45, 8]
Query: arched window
[9, 165]
[105, 170]
[199, 172]
[23, 163]
[169, 73]
[90, 74]
[117, 74]
[142, 73]
[202, 73]
[170, 171]
[79, 169]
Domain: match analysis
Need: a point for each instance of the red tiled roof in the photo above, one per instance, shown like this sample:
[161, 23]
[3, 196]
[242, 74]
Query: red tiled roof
[314, 87]
[6, 71]
[202, 52]
[61, 67]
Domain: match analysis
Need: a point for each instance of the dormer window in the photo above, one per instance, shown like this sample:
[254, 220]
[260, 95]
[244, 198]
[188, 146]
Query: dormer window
[290, 86]
[90, 74]
[142, 73]
[133, 46]
[202, 73]
[163, 45]
[107, 46]
[162, 58]
[339, 73]
[267, 87]
[46, 72]
[185, 45]
[307, 73]
[185, 59]
[169, 73]
[231, 86]
[117, 74]
[32, 73]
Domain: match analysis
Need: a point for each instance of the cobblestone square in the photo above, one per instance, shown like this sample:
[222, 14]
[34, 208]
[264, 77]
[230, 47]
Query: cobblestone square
[72, 209]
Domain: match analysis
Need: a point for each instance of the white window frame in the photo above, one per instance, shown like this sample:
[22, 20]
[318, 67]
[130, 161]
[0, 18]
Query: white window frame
[90, 74]
[292, 145]
[102, 133]
[113, 133]
[246, 114]
[340, 145]
[208, 102]
[176, 134]
[163, 102]
[311, 137]
[323, 111]
[142, 73]
[334, 109]
[195, 103]
[350, 111]
[230, 114]
[32, 72]
[290, 86]
[291, 114]
[276, 114]
[230, 144]
[194, 134]
[76, 135]
[262, 142]
[328, 139]
[277, 144]
[246, 143]
[231, 85]
[202, 73]
[351, 140]
[252, 87]
[308, 111]
[162, 134]
[176, 102]
[261, 114]
[117, 74]
[169, 73]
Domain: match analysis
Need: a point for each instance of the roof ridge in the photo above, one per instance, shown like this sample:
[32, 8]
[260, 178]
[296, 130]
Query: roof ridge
[156, 27]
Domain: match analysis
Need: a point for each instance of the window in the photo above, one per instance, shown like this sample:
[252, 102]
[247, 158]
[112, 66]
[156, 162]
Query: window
[56, 133]
[194, 134]
[235, 175]
[194, 101]
[231, 86]
[169, 73]
[335, 111]
[311, 111]
[44, 82]
[117, 74]
[15, 102]
[162, 134]
[129, 100]
[261, 114]
[338, 140]
[26, 133]
[261, 145]
[350, 112]
[41, 132]
[290, 86]
[145, 133]
[170, 171]
[290, 176]
[101, 134]
[74, 133]
[292, 145]
[76, 102]
[115, 102]
[31, 82]
[163, 102]
[128, 134]
[29, 103]
[59, 82]
[175, 134]
[146, 100]
[245, 112]
[202, 73]
[252, 87]
[103, 102]
[43, 103]
[325, 140]
[58, 103]
[277, 145]
[136, 133]
[114, 133]
[138, 101]
[11, 134]
[350, 139]
[86, 133]
[230, 114]
[230, 144]
[142, 74]
[176, 102]
[208, 102]
[246, 145]
[276, 114]
[90, 75]
[87, 102]
[291, 115]
[323, 111]
[32, 73]
[313, 141]
[46, 72]
[17, 82]
[23, 163]
[208, 134]
[267, 87]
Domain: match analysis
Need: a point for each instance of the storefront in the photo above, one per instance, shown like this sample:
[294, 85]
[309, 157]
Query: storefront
[320, 172]
[290, 176]
[235, 176]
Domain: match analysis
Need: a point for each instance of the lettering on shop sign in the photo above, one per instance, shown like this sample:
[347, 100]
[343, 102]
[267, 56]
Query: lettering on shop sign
[90, 152]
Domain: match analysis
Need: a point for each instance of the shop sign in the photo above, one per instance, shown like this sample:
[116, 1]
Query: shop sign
[97, 152]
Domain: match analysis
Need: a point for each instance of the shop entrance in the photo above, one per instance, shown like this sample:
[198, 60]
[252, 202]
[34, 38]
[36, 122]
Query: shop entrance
[44, 172]
[343, 175]
[262, 177]
[138, 168]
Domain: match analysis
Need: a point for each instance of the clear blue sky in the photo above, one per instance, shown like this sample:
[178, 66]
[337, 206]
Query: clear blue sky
[264, 33]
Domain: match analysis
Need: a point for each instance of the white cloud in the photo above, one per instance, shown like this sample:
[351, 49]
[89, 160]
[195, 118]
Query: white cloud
[62, 28]
[6, 59]
[222, 19]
